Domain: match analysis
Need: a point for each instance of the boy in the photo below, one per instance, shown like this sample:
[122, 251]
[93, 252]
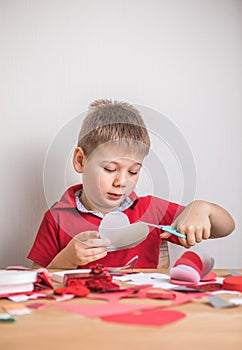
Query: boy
[112, 144]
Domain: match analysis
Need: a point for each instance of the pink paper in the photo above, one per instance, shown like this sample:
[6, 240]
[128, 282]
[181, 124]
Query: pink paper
[103, 310]
[112, 307]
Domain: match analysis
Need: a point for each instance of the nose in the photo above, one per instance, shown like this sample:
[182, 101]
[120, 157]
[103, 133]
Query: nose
[120, 179]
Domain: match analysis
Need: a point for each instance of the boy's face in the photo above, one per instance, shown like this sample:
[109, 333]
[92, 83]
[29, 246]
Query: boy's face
[109, 175]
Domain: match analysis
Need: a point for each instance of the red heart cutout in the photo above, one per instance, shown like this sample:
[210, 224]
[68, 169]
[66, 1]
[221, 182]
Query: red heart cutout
[148, 318]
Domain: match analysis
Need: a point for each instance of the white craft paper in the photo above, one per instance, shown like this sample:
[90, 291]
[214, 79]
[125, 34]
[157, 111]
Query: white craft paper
[157, 280]
[17, 281]
[115, 227]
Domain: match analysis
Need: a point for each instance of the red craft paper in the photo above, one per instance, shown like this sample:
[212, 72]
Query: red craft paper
[190, 259]
[37, 306]
[233, 283]
[148, 317]
[103, 310]
[113, 297]
[186, 268]
[113, 307]
[209, 277]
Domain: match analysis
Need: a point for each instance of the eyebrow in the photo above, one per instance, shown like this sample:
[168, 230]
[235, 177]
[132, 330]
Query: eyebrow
[114, 162]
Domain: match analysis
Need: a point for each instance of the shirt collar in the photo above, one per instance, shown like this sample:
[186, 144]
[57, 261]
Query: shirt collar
[123, 206]
[68, 200]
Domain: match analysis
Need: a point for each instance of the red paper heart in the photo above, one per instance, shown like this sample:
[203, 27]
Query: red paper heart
[148, 318]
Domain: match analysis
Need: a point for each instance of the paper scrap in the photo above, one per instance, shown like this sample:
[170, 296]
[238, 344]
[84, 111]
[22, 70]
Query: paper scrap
[16, 309]
[19, 298]
[5, 317]
[38, 306]
[236, 301]
[147, 317]
[219, 302]
[157, 280]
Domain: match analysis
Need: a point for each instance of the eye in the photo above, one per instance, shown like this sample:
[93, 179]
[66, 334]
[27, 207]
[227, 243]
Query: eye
[133, 172]
[109, 170]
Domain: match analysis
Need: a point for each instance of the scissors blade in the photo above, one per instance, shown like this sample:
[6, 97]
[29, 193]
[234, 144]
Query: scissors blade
[167, 228]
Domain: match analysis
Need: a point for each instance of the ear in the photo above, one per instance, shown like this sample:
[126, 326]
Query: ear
[79, 159]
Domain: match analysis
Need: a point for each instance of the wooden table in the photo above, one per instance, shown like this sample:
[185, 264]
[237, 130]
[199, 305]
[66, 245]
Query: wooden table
[51, 328]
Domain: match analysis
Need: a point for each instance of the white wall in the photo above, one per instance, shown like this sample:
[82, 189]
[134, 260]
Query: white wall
[181, 58]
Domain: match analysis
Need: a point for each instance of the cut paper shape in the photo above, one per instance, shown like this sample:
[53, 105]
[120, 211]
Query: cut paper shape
[103, 310]
[176, 298]
[18, 298]
[233, 283]
[37, 306]
[112, 307]
[236, 301]
[16, 309]
[115, 227]
[191, 268]
[147, 317]
[157, 280]
[219, 302]
[113, 297]
[211, 276]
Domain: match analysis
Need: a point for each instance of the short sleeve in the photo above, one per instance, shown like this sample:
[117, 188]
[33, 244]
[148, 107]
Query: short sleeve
[46, 245]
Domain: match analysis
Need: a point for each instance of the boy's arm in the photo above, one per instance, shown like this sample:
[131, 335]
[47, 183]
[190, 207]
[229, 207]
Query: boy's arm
[202, 220]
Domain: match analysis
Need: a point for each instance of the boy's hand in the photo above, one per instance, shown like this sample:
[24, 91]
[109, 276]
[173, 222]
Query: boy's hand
[85, 248]
[194, 222]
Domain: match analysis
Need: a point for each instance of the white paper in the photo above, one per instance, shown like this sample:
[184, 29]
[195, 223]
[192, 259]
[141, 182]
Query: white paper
[116, 228]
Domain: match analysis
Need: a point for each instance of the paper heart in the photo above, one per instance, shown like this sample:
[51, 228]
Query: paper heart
[149, 317]
[115, 227]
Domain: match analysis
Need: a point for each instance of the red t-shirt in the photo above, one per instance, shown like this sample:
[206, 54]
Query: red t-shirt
[63, 221]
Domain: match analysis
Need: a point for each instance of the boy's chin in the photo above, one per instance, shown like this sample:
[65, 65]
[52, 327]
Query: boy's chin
[109, 207]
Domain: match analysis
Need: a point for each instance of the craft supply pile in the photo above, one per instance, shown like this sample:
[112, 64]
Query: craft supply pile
[190, 278]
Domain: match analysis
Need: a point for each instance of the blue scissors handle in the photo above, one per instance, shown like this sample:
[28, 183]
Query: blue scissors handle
[173, 231]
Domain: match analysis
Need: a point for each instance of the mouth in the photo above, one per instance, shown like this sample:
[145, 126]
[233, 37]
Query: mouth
[114, 196]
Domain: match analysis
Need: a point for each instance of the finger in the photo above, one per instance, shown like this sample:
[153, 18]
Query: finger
[199, 234]
[206, 232]
[88, 259]
[91, 238]
[98, 242]
[190, 233]
[83, 236]
[93, 251]
[165, 235]
[184, 242]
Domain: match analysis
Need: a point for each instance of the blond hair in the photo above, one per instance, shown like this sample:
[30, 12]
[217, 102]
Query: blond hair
[116, 121]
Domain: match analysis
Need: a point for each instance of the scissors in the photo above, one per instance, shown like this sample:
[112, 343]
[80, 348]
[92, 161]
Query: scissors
[167, 228]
